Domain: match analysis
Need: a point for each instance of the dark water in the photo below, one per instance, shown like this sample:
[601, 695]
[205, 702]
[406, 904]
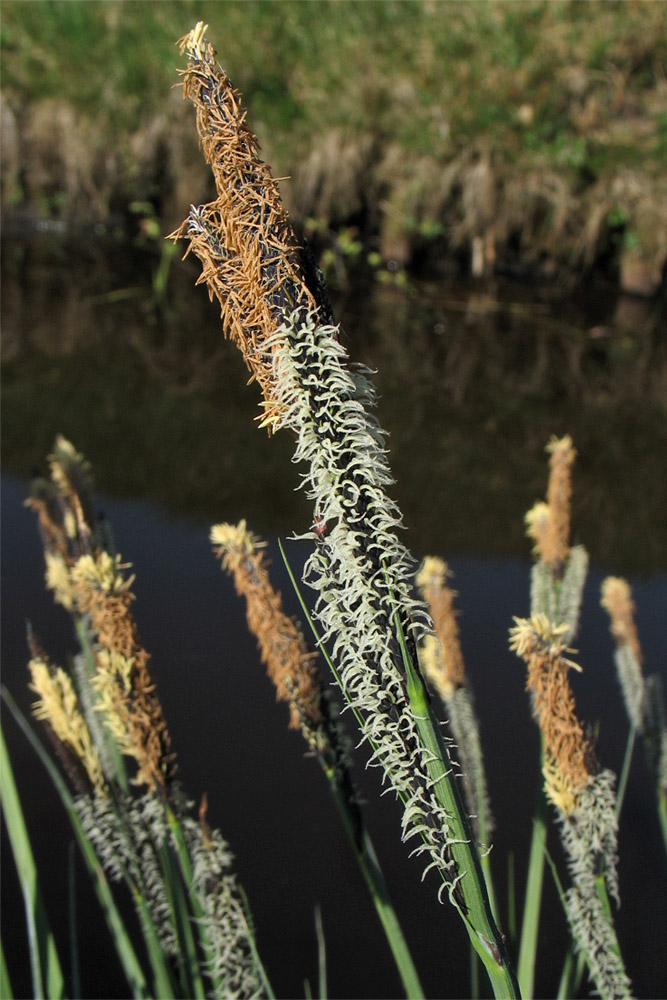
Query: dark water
[471, 389]
[271, 802]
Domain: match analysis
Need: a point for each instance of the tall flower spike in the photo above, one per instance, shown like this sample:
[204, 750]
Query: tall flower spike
[584, 800]
[251, 260]
[442, 660]
[643, 696]
[559, 494]
[617, 601]
[282, 645]
[559, 574]
[360, 570]
[363, 575]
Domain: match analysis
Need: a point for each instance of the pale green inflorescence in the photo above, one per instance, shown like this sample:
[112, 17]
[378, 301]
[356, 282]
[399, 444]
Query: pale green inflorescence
[124, 838]
[589, 837]
[465, 727]
[361, 571]
[561, 603]
[127, 839]
[230, 962]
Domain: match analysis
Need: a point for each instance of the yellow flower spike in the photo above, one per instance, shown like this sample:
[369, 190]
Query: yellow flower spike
[558, 787]
[58, 705]
[102, 573]
[58, 579]
[537, 521]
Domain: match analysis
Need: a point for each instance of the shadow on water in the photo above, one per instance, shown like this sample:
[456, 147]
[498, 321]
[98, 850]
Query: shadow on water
[472, 385]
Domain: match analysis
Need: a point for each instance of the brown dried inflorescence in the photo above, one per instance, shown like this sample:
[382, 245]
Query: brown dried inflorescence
[446, 671]
[617, 601]
[92, 585]
[566, 750]
[134, 702]
[251, 260]
[549, 523]
[282, 645]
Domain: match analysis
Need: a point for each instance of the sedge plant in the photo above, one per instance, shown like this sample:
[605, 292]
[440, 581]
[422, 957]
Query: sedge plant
[383, 635]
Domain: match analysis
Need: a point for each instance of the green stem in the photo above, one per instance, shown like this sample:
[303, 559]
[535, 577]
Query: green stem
[370, 868]
[120, 937]
[47, 977]
[625, 771]
[531, 910]
[474, 907]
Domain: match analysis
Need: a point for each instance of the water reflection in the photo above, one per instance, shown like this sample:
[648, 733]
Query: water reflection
[269, 799]
[472, 385]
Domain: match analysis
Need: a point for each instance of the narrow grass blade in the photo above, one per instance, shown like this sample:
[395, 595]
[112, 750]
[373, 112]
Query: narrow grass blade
[511, 898]
[321, 954]
[533, 899]
[47, 977]
[6, 991]
[120, 936]
[625, 770]
[73, 934]
[191, 981]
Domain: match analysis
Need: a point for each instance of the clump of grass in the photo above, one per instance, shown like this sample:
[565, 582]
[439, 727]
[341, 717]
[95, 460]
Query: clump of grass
[557, 123]
[106, 724]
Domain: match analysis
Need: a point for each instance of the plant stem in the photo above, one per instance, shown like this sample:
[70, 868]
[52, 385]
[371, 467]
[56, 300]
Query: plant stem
[370, 868]
[47, 977]
[468, 892]
[531, 911]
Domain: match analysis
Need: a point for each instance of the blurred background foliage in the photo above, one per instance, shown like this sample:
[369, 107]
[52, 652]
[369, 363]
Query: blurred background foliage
[537, 131]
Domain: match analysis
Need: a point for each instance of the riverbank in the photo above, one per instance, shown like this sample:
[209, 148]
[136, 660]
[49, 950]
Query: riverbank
[528, 139]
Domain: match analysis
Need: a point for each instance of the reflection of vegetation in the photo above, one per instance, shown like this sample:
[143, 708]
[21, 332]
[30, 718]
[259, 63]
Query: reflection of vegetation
[431, 125]
[469, 390]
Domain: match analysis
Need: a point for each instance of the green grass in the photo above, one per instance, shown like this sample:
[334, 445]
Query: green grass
[542, 86]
